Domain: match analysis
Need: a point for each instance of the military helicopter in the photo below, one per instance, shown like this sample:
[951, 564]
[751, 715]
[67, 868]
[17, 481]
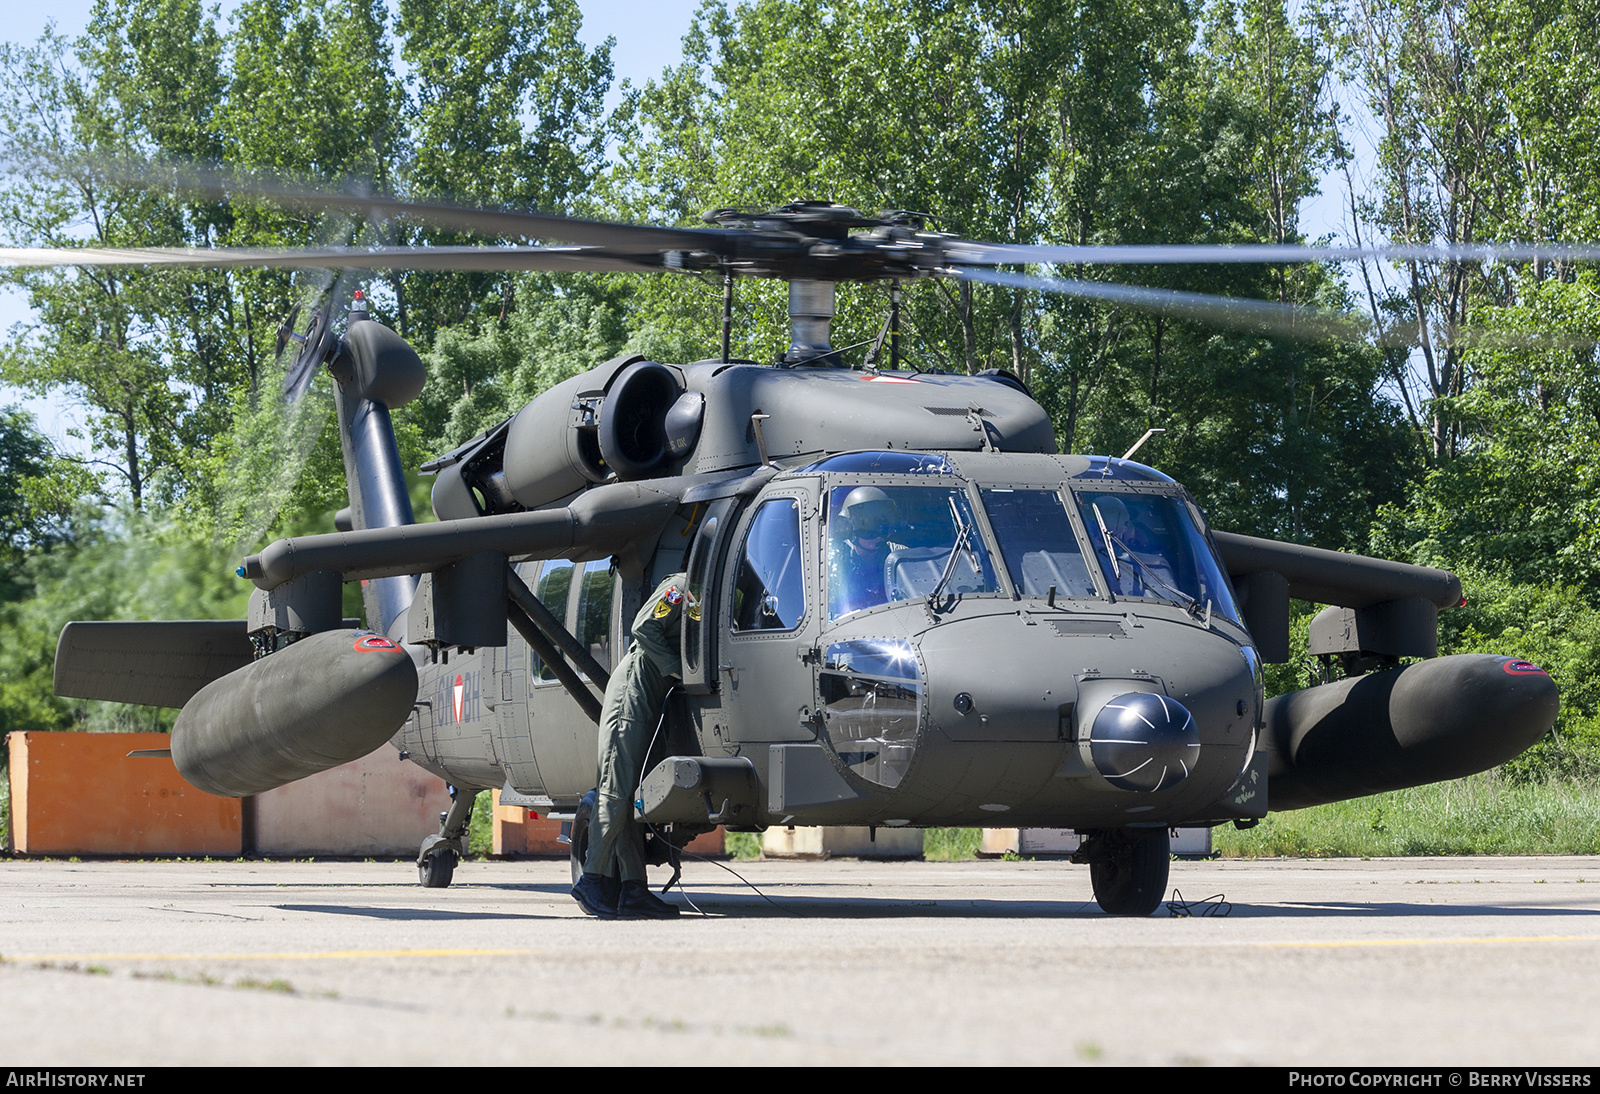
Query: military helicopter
[906, 607]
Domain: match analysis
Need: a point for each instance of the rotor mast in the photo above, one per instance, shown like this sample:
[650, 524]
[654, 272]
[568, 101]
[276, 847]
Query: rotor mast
[810, 316]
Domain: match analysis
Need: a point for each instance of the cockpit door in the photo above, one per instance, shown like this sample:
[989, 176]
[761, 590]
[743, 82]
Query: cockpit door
[770, 614]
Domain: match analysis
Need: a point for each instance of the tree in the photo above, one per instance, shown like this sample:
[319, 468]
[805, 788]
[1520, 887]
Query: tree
[504, 106]
[38, 492]
[141, 350]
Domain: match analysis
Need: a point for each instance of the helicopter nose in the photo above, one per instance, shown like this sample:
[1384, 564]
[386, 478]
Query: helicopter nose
[1144, 741]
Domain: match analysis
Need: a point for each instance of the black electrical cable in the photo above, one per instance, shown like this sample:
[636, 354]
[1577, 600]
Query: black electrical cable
[660, 835]
[1216, 905]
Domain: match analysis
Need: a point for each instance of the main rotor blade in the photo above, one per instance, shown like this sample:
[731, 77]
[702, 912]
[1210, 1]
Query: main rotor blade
[970, 252]
[554, 259]
[1266, 317]
[628, 238]
[1256, 316]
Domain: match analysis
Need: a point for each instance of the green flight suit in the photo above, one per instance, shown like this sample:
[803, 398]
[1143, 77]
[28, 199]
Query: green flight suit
[628, 720]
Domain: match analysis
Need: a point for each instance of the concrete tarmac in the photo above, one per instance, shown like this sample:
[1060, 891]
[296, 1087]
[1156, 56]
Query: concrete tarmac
[1450, 962]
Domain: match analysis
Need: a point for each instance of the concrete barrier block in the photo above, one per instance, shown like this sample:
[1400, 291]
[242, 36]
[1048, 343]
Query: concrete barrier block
[841, 842]
[1064, 841]
[377, 805]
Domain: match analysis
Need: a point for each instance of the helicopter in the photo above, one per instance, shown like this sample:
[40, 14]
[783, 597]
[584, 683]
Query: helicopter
[905, 606]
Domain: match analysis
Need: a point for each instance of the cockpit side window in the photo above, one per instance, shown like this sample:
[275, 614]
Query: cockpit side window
[769, 593]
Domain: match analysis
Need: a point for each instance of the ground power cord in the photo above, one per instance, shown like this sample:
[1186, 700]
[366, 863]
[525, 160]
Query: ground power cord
[1216, 905]
[677, 852]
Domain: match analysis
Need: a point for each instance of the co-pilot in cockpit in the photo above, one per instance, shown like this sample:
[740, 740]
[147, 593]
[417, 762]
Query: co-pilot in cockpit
[1149, 545]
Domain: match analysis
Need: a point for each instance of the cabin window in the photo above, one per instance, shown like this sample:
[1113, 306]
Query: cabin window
[555, 583]
[594, 610]
[770, 592]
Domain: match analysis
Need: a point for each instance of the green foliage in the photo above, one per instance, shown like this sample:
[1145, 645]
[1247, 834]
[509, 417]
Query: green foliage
[147, 352]
[1054, 127]
[475, 380]
[1481, 815]
[497, 102]
[1523, 496]
[116, 566]
[1120, 121]
[1557, 629]
[951, 844]
[742, 846]
[35, 496]
[480, 830]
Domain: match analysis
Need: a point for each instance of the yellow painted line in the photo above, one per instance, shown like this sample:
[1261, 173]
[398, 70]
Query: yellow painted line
[1435, 941]
[308, 955]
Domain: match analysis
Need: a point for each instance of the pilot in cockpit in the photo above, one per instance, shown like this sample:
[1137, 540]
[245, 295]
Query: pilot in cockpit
[862, 540]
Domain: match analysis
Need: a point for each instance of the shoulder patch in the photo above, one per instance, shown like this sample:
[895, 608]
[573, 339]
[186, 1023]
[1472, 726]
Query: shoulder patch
[673, 595]
[662, 608]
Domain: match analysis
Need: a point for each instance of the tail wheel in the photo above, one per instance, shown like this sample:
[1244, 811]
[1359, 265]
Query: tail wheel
[1129, 871]
[580, 833]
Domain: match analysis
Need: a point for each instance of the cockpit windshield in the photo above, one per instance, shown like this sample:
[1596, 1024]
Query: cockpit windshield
[1149, 545]
[1037, 543]
[888, 543]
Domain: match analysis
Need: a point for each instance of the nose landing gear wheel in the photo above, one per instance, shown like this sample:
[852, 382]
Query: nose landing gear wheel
[1128, 869]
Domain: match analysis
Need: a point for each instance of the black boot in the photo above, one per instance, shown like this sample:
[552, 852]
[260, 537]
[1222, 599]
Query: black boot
[596, 894]
[638, 902]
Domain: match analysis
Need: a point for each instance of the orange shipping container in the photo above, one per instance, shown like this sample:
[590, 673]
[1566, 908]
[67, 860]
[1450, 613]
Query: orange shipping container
[81, 794]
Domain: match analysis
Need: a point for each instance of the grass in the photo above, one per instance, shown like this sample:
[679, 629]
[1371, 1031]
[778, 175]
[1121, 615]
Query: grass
[1479, 815]
[951, 844]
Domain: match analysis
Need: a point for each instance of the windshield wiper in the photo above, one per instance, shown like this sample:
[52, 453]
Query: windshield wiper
[1105, 536]
[1190, 604]
[962, 535]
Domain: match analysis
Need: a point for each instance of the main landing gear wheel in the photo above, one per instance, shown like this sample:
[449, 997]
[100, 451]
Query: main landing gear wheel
[580, 833]
[1128, 869]
[437, 858]
[437, 867]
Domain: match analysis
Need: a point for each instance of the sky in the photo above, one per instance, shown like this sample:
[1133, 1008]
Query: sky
[648, 38]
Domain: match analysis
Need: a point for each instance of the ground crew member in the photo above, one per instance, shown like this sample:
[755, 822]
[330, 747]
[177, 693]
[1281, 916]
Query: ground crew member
[614, 884]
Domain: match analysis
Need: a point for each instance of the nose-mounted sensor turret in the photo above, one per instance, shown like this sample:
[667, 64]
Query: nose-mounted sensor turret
[1144, 741]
